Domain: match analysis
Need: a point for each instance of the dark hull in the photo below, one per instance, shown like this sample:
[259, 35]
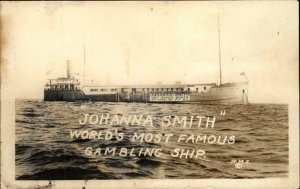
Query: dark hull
[63, 95]
[102, 98]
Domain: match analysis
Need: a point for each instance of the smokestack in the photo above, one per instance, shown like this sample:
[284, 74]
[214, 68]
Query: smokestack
[68, 68]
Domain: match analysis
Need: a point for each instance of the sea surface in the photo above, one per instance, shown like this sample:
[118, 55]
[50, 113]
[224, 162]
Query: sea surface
[44, 149]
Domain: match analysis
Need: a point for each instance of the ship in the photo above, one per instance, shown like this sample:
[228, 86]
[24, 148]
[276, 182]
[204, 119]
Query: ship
[70, 88]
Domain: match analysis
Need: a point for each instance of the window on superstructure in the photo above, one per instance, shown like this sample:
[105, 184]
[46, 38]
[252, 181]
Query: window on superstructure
[204, 87]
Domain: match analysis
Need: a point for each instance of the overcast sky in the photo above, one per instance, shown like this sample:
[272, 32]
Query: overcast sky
[146, 42]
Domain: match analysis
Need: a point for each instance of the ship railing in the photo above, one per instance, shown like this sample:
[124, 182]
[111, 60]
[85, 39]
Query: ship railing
[61, 89]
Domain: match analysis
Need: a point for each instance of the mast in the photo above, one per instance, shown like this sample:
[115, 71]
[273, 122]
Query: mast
[84, 64]
[68, 68]
[220, 65]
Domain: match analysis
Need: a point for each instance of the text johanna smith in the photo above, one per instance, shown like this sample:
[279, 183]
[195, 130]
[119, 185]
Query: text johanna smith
[107, 120]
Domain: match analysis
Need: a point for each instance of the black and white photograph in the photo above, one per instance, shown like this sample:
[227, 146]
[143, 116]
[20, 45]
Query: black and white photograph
[146, 94]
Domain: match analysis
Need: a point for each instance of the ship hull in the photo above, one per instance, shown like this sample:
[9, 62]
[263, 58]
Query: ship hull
[233, 93]
[64, 95]
[102, 98]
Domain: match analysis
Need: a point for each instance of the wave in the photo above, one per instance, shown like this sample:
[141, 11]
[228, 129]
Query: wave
[44, 149]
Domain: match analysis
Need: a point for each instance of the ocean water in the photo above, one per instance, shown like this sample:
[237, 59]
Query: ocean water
[44, 149]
